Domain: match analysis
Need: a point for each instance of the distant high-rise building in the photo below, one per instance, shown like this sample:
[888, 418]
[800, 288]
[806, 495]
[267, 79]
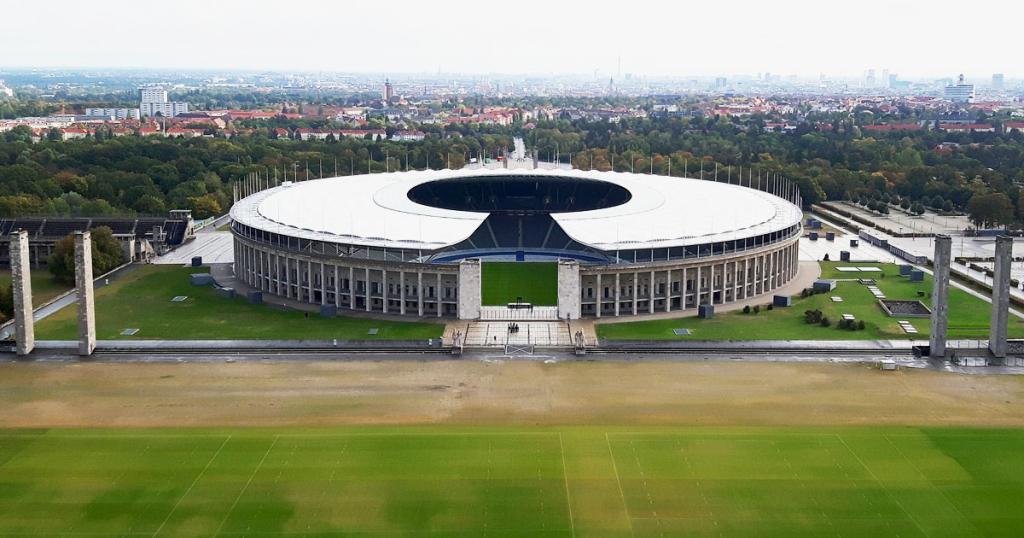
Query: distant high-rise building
[869, 79]
[961, 92]
[721, 82]
[998, 81]
[152, 95]
[389, 91]
[153, 101]
[885, 78]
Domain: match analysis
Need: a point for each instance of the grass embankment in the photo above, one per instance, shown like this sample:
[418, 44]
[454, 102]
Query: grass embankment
[141, 299]
[44, 285]
[968, 315]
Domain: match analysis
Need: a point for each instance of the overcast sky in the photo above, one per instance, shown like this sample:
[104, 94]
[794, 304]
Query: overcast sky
[914, 38]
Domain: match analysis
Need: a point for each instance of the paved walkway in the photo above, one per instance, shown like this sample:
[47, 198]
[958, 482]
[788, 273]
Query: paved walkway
[212, 245]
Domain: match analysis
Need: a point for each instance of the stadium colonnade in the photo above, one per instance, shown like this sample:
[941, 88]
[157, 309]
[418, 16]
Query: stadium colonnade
[354, 259]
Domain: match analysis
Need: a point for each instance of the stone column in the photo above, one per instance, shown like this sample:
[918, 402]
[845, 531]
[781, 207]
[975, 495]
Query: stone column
[469, 289]
[1000, 296]
[697, 288]
[351, 287]
[438, 293]
[323, 284]
[419, 293]
[384, 290]
[369, 290]
[940, 296]
[401, 292]
[287, 278]
[600, 295]
[21, 283]
[337, 286]
[569, 302]
[636, 290]
[735, 281]
[617, 294]
[668, 290]
[682, 291]
[311, 297]
[650, 295]
[86, 300]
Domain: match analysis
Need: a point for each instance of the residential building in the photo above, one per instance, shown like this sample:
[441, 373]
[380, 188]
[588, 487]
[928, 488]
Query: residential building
[961, 92]
[116, 113]
[153, 101]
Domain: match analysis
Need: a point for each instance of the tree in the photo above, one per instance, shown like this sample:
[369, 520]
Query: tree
[106, 255]
[205, 206]
[990, 210]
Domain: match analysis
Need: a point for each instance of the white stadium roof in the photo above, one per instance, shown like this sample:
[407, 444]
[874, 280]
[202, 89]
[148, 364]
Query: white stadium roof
[375, 210]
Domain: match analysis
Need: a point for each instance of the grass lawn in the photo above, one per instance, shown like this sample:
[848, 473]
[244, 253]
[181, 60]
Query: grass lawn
[44, 286]
[525, 481]
[968, 315]
[535, 282]
[141, 299]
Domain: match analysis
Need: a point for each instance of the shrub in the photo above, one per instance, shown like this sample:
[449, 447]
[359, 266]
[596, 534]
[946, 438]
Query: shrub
[825, 322]
[813, 316]
[769, 306]
[860, 325]
[757, 309]
[746, 309]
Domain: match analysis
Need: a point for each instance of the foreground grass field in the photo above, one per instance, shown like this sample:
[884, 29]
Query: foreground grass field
[445, 481]
[142, 300]
[968, 315]
[535, 282]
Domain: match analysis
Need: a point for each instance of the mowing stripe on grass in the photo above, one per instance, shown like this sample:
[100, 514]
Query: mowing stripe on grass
[192, 485]
[618, 481]
[246, 486]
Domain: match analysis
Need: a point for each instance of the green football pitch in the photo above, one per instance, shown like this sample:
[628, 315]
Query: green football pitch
[504, 282]
[447, 481]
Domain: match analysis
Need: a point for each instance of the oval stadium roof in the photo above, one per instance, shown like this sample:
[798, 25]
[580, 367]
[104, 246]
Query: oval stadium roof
[375, 210]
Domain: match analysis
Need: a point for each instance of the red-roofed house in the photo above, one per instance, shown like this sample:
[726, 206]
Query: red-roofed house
[890, 127]
[1011, 126]
[183, 132]
[75, 132]
[967, 127]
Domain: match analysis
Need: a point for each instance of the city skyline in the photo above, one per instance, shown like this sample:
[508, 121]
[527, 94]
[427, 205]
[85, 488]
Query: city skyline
[795, 37]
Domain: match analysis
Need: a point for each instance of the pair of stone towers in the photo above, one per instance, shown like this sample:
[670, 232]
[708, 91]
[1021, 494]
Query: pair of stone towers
[24, 323]
[1000, 297]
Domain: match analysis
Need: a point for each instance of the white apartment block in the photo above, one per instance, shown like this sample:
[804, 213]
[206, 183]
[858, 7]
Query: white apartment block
[116, 113]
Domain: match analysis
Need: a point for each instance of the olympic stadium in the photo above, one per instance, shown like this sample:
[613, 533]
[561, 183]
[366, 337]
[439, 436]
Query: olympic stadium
[417, 243]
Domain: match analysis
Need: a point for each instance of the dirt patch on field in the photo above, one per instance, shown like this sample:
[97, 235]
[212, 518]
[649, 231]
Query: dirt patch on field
[474, 392]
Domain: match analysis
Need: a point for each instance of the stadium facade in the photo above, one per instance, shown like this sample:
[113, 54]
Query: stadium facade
[409, 243]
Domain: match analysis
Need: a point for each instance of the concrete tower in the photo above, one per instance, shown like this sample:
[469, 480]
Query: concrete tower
[1000, 296]
[86, 300]
[940, 296]
[21, 282]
